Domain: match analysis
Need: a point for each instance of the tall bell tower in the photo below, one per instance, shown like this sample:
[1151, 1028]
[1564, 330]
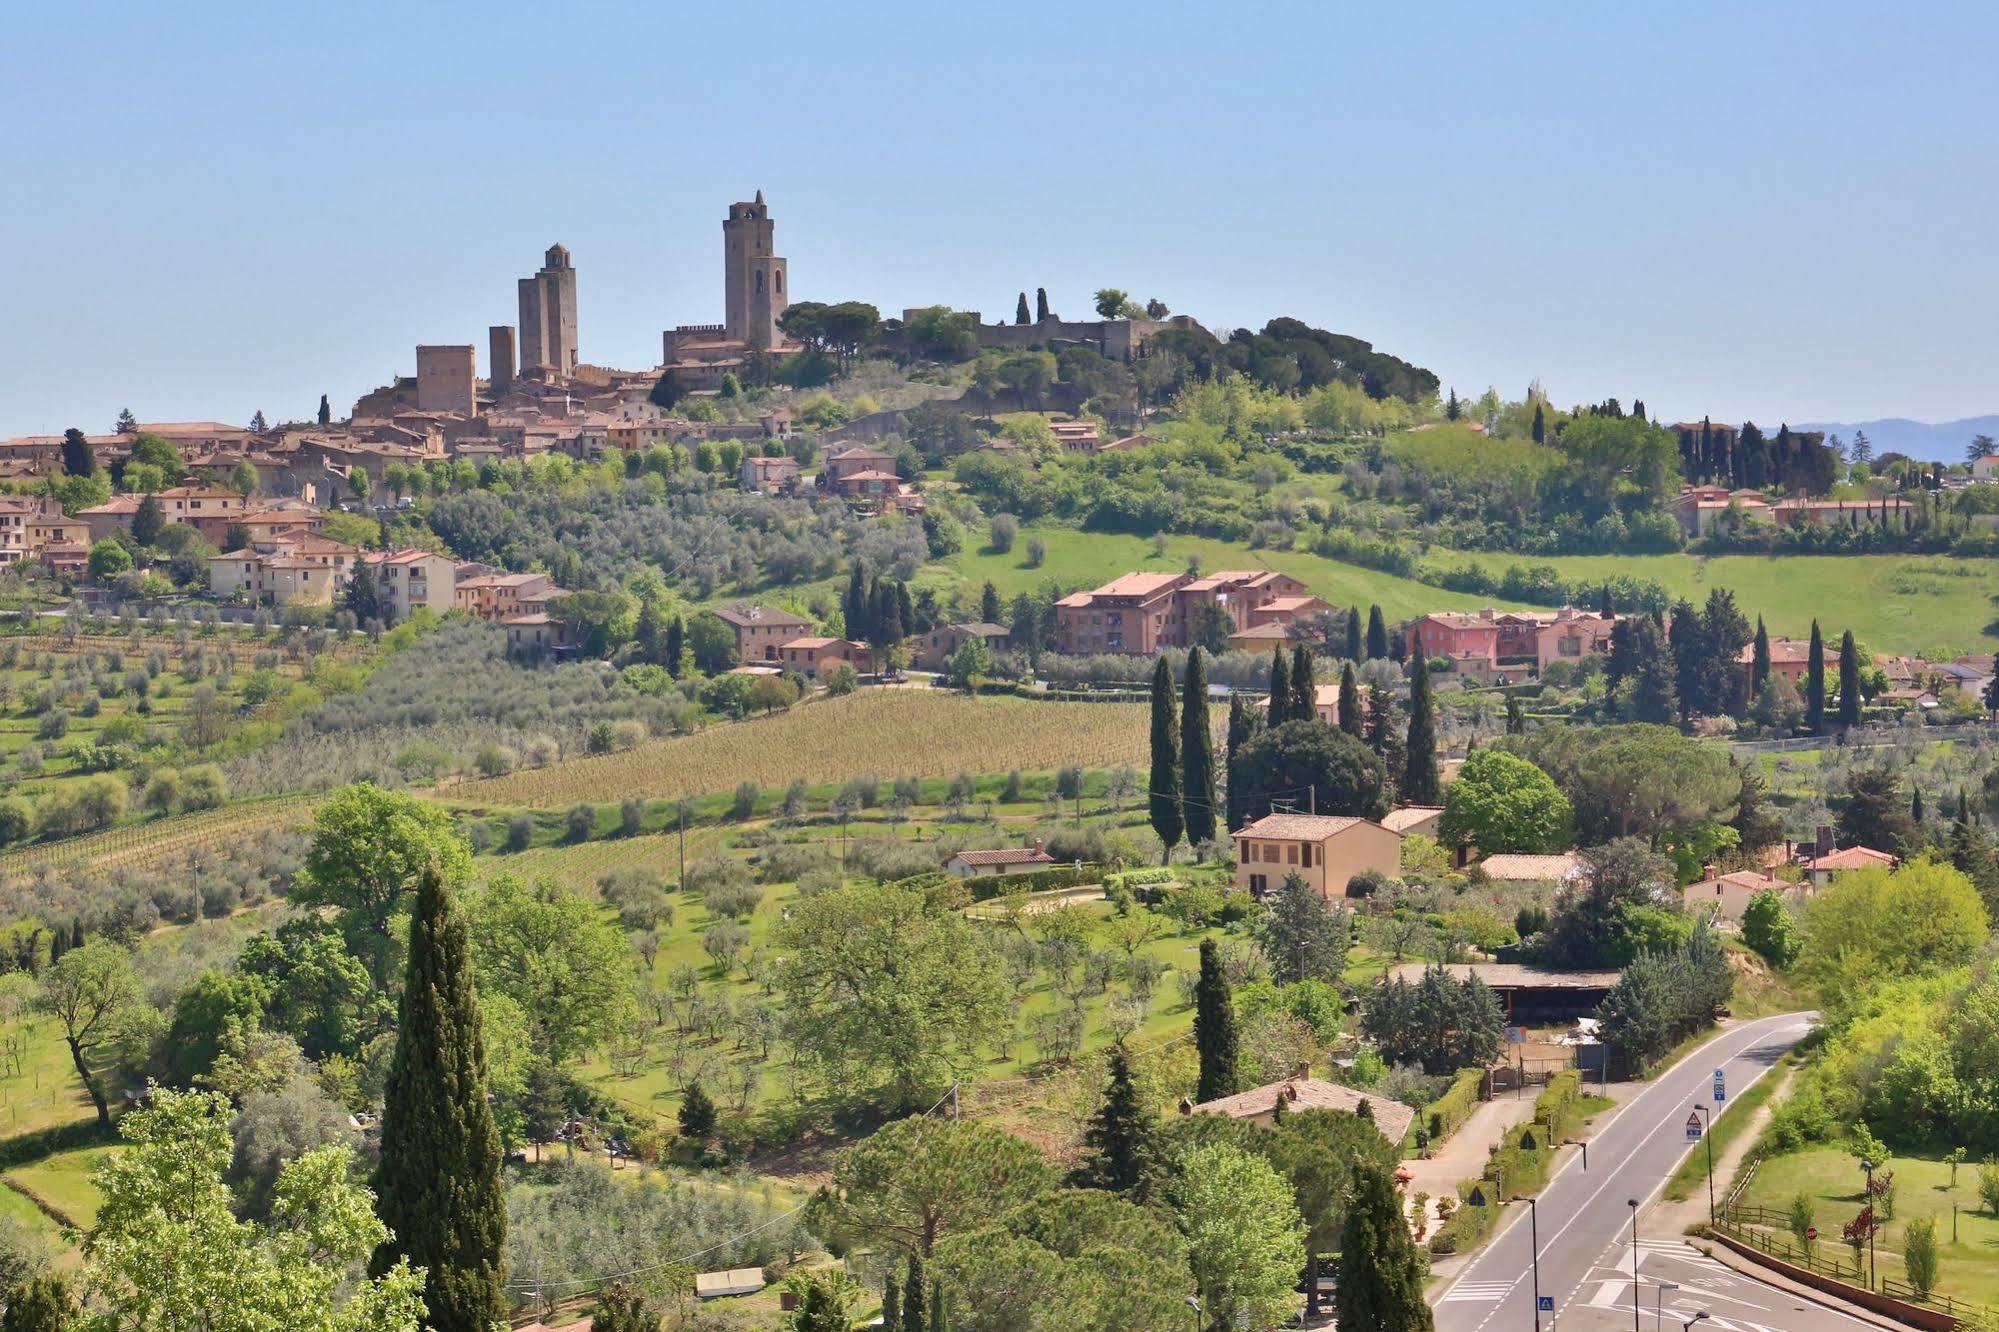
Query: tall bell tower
[756, 286]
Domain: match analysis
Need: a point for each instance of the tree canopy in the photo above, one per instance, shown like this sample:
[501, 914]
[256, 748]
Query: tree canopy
[1501, 803]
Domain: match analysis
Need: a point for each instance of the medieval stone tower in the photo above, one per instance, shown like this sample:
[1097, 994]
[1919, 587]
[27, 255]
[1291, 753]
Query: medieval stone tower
[756, 291]
[548, 315]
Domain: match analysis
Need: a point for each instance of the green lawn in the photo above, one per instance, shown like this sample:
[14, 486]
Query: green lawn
[63, 1182]
[1967, 1269]
[1924, 604]
[1729, 1126]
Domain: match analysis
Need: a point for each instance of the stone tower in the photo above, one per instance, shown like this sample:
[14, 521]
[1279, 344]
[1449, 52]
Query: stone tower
[444, 379]
[500, 347]
[755, 291]
[548, 315]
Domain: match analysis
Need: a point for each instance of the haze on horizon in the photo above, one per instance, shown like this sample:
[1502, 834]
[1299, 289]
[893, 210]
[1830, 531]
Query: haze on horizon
[1782, 214]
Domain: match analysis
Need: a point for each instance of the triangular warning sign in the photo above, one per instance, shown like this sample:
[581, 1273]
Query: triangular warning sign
[1693, 1119]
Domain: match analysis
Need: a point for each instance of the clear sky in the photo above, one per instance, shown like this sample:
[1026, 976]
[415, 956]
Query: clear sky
[1778, 211]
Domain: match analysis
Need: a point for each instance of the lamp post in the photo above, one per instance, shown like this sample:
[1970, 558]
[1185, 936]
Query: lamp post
[1702, 1316]
[1869, 1166]
[1707, 1118]
[1632, 1203]
[1194, 1303]
[1659, 1303]
[1534, 1239]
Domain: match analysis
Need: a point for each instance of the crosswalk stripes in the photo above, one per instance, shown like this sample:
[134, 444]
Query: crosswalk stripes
[1478, 1291]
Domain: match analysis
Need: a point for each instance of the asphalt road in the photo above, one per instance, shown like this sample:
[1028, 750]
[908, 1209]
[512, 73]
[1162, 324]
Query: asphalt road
[1585, 1224]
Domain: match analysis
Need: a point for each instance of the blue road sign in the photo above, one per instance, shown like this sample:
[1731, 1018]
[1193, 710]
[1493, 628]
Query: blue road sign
[1720, 1086]
[1545, 1303]
[1693, 1126]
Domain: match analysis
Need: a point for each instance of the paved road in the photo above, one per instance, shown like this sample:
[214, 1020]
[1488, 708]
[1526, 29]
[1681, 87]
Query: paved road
[1585, 1224]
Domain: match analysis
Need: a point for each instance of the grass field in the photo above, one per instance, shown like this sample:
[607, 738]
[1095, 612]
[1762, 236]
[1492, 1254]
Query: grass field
[149, 841]
[62, 1182]
[1929, 605]
[1832, 1179]
[1085, 559]
[892, 732]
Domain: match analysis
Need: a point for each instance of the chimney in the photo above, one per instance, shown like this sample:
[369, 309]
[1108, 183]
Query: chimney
[1824, 845]
[1303, 1072]
[1488, 613]
[1037, 844]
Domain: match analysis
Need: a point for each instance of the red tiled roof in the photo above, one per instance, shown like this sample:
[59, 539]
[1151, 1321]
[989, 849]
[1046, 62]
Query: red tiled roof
[1298, 827]
[1391, 1117]
[1011, 855]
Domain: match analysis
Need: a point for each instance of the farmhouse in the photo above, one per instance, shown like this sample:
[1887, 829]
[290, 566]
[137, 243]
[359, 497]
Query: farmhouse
[1302, 1092]
[1004, 860]
[1820, 869]
[760, 629]
[1723, 898]
[1528, 993]
[1324, 850]
[1529, 871]
[813, 656]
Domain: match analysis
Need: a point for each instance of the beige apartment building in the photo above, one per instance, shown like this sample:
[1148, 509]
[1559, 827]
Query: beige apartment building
[1324, 850]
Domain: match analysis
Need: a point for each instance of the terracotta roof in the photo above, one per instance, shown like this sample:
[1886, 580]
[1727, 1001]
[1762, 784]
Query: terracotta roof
[1531, 869]
[1138, 585]
[1852, 858]
[1292, 603]
[117, 504]
[1010, 855]
[748, 615]
[1391, 1117]
[871, 476]
[1275, 633]
[1749, 879]
[1408, 816]
[809, 643]
[1298, 827]
[981, 629]
[1788, 652]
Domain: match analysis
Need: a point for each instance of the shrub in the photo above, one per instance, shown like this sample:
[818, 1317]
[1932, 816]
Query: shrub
[1988, 1185]
[17, 820]
[53, 726]
[631, 817]
[495, 761]
[734, 898]
[745, 802]
[520, 832]
[841, 680]
[581, 822]
[1919, 1255]
[1001, 531]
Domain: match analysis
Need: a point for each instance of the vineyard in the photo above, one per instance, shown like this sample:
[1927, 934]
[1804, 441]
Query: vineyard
[893, 732]
[154, 841]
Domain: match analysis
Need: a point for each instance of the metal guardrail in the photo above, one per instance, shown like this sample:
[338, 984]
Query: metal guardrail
[1766, 1230]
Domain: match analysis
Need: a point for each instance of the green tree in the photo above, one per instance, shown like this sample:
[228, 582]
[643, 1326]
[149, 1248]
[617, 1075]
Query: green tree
[1278, 710]
[1215, 1037]
[920, 1179]
[1919, 1255]
[363, 599]
[1121, 1149]
[207, 1013]
[1917, 920]
[567, 967]
[95, 997]
[1377, 634]
[168, 1253]
[1381, 1273]
[1309, 761]
[45, 1302]
[1759, 659]
[1767, 928]
[1245, 1239]
[438, 1182]
[1352, 716]
[369, 849]
[697, 1113]
[623, 1309]
[78, 458]
[319, 993]
[1815, 683]
[1304, 685]
[1243, 724]
[1110, 302]
[1072, 1258]
[887, 997]
[1301, 936]
[1849, 682]
[822, 1307]
[148, 520]
[1041, 315]
[243, 478]
[108, 559]
[1354, 648]
[1198, 799]
[1655, 695]
[1020, 309]
[1163, 792]
[914, 1305]
[1421, 784]
[1501, 803]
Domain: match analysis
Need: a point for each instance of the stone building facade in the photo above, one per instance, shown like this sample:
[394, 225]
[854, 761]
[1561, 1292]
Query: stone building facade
[548, 338]
[755, 292]
[445, 378]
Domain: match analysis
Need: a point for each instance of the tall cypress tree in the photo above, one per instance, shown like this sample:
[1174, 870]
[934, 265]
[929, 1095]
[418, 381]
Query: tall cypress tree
[1353, 634]
[1377, 634]
[1242, 725]
[989, 604]
[891, 1304]
[1655, 697]
[325, 411]
[1304, 685]
[854, 605]
[912, 1296]
[1353, 718]
[1683, 636]
[1020, 309]
[1849, 682]
[1040, 304]
[939, 1321]
[1279, 710]
[1540, 430]
[1381, 1274]
[437, 1187]
[1197, 756]
[676, 643]
[1214, 1027]
[1815, 682]
[1163, 793]
[1759, 660]
[1121, 1148]
[1420, 784]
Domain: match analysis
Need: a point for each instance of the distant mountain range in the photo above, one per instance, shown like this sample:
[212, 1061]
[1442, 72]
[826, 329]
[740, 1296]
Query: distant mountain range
[1945, 441]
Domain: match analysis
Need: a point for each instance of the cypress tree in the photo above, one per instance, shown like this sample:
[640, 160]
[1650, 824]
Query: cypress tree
[989, 604]
[1242, 724]
[854, 605]
[1214, 1027]
[1353, 635]
[147, 520]
[1020, 309]
[1654, 695]
[437, 1187]
[1540, 425]
[1849, 682]
[44, 1303]
[912, 1296]
[1163, 793]
[1381, 1274]
[1197, 756]
[1916, 805]
[676, 642]
[1304, 685]
[1815, 682]
[1689, 655]
[1603, 602]
[78, 458]
[1759, 660]
[1420, 785]
[1279, 710]
[939, 1322]
[1377, 634]
[1516, 716]
[325, 411]
[1040, 304]
[1352, 718]
[650, 632]
[891, 1304]
[1121, 1149]
[697, 1113]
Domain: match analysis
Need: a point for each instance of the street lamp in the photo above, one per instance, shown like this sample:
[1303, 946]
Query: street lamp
[1194, 1303]
[1659, 1303]
[1699, 1317]
[1632, 1203]
[1707, 1118]
[1869, 1166]
[1534, 1239]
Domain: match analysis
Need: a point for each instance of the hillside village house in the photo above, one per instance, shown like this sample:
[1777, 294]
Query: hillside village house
[502, 595]
[49, 526]
[1986, 468]
[409, 579]
[1303, 1092]
[1414, 820]
[1140, 613]
[1723, 898]
[1529, 871]
[1324, 850]
[1791, 658]
[1490, 639]
[1705, 509]
[1325, 703]
[936, 648]
[768, 475]
[760, 630]
[1260, 638]
[813, 656]
[1004, 860]
[1820, 869]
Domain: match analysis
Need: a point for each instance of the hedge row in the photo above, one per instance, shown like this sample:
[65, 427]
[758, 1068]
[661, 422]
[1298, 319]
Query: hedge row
[990, 886]
[1455, 1106]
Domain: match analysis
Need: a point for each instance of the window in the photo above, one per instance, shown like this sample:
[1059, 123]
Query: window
[1290, 855]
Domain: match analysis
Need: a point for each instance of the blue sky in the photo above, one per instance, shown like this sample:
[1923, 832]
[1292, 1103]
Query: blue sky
[1769, 211]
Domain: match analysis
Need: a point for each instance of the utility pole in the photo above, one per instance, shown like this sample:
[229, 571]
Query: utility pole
[1632, 1203]
[1534, 1238]
[1707, 1116]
